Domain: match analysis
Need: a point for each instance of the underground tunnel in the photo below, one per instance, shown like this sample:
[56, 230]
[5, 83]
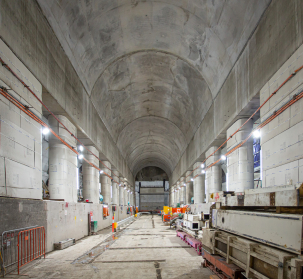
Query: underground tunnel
[151, 139]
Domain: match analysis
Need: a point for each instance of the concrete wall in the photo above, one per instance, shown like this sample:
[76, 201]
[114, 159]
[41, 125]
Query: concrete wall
[20, 137]
[277, 36]
[66, 220]
[61, 220]
[152, 195]
[282, 138]
[26, 31]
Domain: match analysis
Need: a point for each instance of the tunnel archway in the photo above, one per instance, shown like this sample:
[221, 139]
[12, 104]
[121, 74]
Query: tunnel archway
[152, 188]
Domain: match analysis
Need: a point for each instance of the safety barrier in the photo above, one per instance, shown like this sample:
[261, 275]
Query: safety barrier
[31, 245]
[125, 222]
[9, 249]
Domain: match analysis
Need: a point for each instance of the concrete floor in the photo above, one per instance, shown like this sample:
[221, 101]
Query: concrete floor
[145, 249]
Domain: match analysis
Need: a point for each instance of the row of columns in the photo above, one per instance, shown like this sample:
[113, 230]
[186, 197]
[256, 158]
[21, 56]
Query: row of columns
[63, 171]
[240, 170]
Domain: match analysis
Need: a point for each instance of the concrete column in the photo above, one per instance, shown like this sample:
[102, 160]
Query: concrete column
[121, 191]
[125, 193]
[62, 162]
[91, 176]
[178, 192]
[240, 163]
[134, 197]
[171, 196]
[182, 190]
[130, 198]
[199, 184]
[174, 197]
[189, 188]
[213, 174]
[115, 186]
[105, 182]
[172, 193]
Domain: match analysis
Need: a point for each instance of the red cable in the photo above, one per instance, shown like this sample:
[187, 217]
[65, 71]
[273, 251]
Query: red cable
[285, 81]
[33, 116]
[33, 93]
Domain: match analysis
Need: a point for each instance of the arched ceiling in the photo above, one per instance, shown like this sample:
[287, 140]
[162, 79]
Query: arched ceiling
[152, 68]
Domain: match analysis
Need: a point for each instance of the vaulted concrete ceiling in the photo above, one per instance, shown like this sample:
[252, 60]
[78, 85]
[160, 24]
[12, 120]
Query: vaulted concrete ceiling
[152, 68]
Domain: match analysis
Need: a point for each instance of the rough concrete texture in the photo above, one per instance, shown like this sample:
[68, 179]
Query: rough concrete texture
[152, 65]
[26, 31]
[151, 174]
[277, 36]
[281, 139]
[20, 136]
[153, 83]
[61, 220]
[145, 249]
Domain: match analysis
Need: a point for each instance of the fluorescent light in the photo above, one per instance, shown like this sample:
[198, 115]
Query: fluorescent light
[184, 184]
[223, 157]
[80, 156]
[119, 185]
[80, 147]
[104, 205]
[45, 131]
[257, 134]
[192, 179]
[101, 171]
[203, 171]
[202, 166]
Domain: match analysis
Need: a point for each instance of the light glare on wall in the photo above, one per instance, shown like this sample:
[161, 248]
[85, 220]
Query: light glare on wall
[223, 157]
[80, 156]
[45, 131]
[257, 134]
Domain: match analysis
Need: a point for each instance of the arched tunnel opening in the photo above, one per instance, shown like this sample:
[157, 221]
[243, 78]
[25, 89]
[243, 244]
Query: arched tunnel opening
[114, 109]
[152, 189]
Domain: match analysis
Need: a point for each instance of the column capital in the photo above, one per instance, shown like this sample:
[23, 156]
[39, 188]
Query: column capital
[213, 157]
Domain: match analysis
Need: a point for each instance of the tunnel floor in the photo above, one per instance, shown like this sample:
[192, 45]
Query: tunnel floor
[145, 249]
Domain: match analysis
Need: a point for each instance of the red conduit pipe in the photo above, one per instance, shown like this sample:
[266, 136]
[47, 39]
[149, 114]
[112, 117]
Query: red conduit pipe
[293, 74]
[40, 101]
[285, 81]
[37, 119]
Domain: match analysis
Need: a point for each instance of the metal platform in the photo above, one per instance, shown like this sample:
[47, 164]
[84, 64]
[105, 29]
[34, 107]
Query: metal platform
[218, 265]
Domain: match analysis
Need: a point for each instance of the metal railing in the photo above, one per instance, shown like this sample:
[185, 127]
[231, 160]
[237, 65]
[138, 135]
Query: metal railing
[31, 245]
[125, 222]
[9, 248]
